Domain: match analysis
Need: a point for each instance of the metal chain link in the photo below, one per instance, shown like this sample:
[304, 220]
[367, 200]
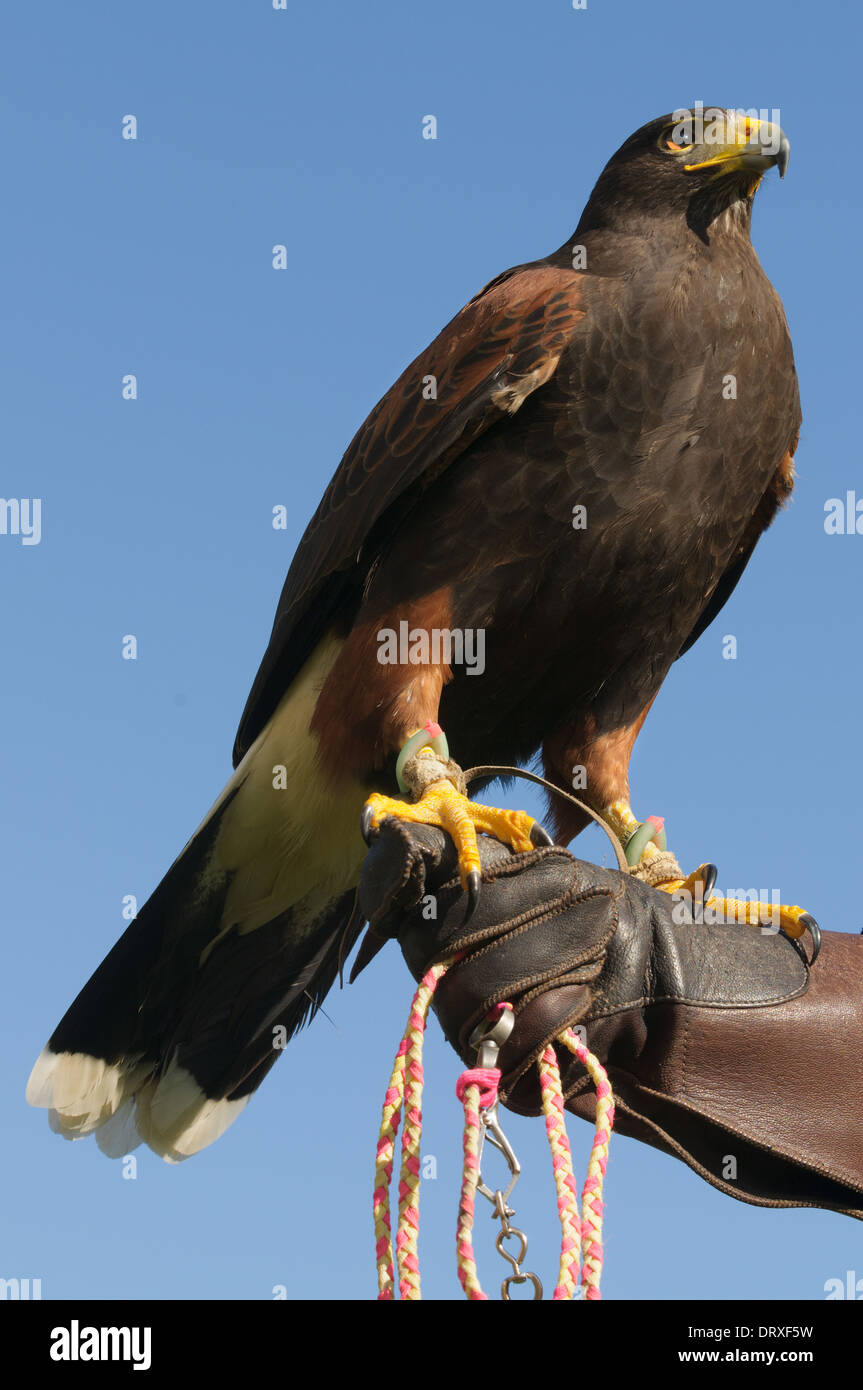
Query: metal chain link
[488, 1042]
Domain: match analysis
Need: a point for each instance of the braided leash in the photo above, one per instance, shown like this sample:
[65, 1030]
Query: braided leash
[591, 1197]
[477, 1089]
[471, 1094]
[403, 1092]
[564, 1177]
[577, 1231]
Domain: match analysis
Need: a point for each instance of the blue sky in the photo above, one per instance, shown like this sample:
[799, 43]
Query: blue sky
[153, 257]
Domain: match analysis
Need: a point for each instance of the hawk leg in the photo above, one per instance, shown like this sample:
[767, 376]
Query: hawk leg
[436, 785]
[603, 758]
[650, 861]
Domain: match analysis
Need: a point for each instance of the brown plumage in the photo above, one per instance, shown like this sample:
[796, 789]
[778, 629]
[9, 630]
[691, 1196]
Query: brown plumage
[597, 377]
[607, 387]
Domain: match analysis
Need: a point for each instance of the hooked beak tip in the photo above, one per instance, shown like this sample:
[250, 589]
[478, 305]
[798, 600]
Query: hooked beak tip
[783, 156]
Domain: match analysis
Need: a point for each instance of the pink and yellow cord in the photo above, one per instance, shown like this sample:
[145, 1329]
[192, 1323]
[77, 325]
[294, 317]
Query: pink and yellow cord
[581, 1253]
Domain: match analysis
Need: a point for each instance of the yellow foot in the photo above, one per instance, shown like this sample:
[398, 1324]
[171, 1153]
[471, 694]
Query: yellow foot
[793, 921]
[653, 863]
[442, 805]
[774, 917]
[698, 884]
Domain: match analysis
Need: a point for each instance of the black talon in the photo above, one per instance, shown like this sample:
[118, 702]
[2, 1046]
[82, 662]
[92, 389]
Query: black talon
[369, 947]
[539, 835]
[474, 883]
[366, 824]
[815, 932]
[708, 879]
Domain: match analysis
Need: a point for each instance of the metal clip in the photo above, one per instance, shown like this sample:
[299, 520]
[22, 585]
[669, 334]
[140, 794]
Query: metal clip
[488, 1039]
[492, 1131]
[488, 1042]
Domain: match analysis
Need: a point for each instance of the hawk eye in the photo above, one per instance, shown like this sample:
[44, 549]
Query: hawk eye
[668, 143]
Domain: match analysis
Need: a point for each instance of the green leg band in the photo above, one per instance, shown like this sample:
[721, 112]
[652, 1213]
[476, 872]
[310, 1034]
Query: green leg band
[423, 738]
[640, 838]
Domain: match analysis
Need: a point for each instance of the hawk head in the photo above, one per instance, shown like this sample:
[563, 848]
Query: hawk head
[693, 163]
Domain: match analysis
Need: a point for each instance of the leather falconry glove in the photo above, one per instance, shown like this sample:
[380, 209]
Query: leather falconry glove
[720, 1041]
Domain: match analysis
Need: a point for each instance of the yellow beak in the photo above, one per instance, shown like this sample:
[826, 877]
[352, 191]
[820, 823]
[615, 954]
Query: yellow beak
[741, 142]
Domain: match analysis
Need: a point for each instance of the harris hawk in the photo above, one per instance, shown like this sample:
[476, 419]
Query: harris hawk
[591, 382]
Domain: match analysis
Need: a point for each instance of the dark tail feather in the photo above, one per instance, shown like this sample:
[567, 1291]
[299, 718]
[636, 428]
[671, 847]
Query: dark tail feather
[183, 1019]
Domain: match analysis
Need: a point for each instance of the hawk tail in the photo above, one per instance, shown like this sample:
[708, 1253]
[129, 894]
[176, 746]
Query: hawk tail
[233, 952]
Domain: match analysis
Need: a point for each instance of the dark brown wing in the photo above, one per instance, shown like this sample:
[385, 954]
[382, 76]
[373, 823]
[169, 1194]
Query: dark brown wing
[779, 490]
[501, 347]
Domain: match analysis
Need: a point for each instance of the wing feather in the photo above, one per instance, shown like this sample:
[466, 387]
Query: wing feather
[501, 347]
